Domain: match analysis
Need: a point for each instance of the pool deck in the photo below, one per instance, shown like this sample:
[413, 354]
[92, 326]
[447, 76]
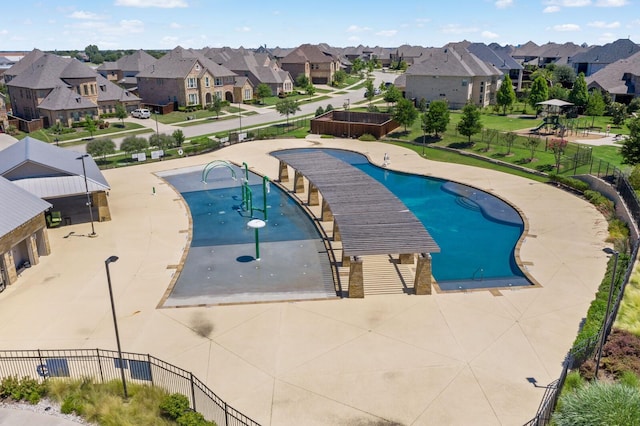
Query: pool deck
[444, 359]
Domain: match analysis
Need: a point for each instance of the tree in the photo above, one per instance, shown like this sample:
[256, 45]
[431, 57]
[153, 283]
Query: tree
[509, 139]
[469, 123]
[546, 73]
[436, 118]
[339, 77]
[405, 113]
[90, 125]
[262, 91]
[178, 137]
[215, 106]
[564, 75]
[579, 95]
[392, 94]
[595, 105]
[101, 148]
[302, 80]
[162, 141]
[557, 91]
[423, 106]
[370, 91]
[557, 146]
[357, 65]
[539, 93]
[488, 136]
[287, 107]
[532, 144]
[506, 96]
[319, 111]
[618, 113]
[328, 108]
[630, 150]
[311, 90]
[132, 144]
[121, 113]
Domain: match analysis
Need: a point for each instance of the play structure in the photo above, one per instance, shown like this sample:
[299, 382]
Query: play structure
[552, 123]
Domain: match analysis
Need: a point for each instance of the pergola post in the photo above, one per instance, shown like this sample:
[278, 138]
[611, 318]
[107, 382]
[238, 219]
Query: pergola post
[283, 172]
[298, 182]
[356, 279]
[336, 232]
[326, 212]
[312, 198]
[423, 280]
[406, 258]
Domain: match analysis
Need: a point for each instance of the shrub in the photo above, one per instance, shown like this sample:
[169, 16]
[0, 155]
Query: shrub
[599, 404]
[618, 233]
[173, 406]
[630, 379]
[576, 184]
[72, 404]
[192, 418]
[634, 177]
[602, 203]
[25, 389]
[621, 354]
[367, 138]
[573, 382]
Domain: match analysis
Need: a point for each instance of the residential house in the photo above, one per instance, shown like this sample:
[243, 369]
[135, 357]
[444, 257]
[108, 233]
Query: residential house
[408, 54]
[620, 79]
[319, 66]
[598, 57]
[123, 71]
[259, 68]
[53, 89]
[23, 64]
[4, 119]
[498, 58]
[186, 77]
[454, 75]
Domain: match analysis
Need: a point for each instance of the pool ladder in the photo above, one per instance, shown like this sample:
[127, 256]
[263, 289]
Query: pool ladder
[474, 276]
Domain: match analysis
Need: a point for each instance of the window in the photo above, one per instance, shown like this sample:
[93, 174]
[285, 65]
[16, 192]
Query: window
[206, 81]
[93, 90]
[197, 67]
[191, 83]
[218, 94]
[465, 83]
[86, 89]
[481, 86]
[217, 81]
[193, 98]
[247, 94]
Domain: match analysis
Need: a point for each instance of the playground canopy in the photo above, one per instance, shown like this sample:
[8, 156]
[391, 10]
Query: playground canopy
[554, 105]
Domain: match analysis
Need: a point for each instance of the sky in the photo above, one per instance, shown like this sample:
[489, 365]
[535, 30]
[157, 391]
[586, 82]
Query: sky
[165, 24]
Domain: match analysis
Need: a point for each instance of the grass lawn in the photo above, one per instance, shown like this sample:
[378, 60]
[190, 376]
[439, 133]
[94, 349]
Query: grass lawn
[80, 133]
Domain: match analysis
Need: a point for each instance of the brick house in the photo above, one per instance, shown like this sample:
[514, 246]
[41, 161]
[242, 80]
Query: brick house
[186, 77]
[319, 66]
[123, 71]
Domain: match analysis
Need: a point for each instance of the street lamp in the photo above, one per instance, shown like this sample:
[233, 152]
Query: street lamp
[156, 114]
[240, 117]
[606, 315]
[86, 187]
[112, 259]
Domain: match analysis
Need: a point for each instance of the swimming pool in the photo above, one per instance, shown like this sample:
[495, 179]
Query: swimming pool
[476, 231]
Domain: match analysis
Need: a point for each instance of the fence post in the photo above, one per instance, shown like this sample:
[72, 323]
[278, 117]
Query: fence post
[193, 391]
[100, 365]
[150, 373]
[226, 414]
[44, 375]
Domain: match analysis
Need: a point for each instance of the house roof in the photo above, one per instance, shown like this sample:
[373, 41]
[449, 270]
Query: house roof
[44, 73]
[63, 98]
[498, 59]
[48, 171]
[179, 62]
[25, 62]
[450, 62]
[109, 92]
[307, 53]
[612, 77]
[135, 62]
[610, 52]
[24, 206]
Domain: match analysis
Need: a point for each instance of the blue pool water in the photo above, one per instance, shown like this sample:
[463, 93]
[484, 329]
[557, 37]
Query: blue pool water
[476, 231]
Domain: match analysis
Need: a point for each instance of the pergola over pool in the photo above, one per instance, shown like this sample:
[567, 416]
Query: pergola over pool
[367, 217]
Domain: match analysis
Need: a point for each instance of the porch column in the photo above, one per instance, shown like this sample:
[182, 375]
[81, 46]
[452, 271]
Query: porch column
[283, 172]
[356, 279]
[312, 198]
[99, 199]
[32, 249]
[336, 232]
[423, 280]
[44, 240]
[9, 267]
[298, 182]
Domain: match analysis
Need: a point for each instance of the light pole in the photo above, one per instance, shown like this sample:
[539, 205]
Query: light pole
[157, 129]
[240, 117]
[346, 106]
[606, 315]
[112, 259]
[86, 187]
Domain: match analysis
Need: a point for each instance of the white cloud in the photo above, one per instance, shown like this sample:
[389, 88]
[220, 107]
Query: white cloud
[243, 29]
[566, 27]
[131, 26]
[502, 4]
[489, 35]
[175, 25]
[573, 3]
[611, 3]
[165, 4]
[4, 32]
[80, 14]
[551, 9]
[457, 29]
[602, 24]
[357, 29]
[387, 33]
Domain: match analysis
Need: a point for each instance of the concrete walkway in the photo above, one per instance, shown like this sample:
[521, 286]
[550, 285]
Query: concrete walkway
[445, 359]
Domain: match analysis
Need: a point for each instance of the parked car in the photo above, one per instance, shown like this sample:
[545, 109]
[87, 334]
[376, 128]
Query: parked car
[141, 113]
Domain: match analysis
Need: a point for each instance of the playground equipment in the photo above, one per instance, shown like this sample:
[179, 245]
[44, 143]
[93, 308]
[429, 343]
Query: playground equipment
[247, 193]
[549, 121]
[215, 164]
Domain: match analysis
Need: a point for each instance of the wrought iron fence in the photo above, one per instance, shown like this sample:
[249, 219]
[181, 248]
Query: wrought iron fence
[105, 365]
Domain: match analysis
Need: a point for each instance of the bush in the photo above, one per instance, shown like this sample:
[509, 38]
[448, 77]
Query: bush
[602, 203]
[367, 138]
[576, 184]
[25, 389]
[634, 177]
[72, 404]
[192, 418]
[599, 404]
[173, 406]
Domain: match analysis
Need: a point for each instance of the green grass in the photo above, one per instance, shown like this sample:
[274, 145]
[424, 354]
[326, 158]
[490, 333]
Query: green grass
[628, 317]
[47, 136]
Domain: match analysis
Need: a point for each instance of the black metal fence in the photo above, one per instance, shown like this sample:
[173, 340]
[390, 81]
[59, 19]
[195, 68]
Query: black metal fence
[104, 365]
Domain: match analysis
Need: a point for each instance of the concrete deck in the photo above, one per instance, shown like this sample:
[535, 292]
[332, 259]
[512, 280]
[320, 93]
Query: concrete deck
[445, 359]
